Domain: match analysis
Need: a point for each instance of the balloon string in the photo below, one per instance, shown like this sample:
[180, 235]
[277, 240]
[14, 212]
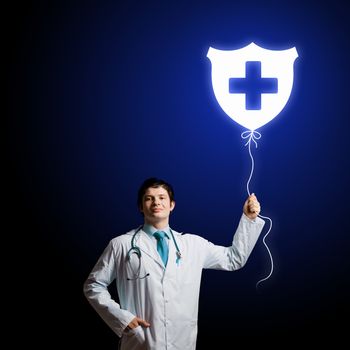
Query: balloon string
[252, 136]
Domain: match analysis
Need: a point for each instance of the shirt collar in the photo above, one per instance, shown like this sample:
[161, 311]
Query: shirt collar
[150, 230]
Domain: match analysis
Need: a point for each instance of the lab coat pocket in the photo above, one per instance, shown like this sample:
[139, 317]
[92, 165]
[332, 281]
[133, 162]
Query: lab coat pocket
[137, 334]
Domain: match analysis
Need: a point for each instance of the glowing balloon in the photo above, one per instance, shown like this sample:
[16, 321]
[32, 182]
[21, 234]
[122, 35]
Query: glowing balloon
[252, 84]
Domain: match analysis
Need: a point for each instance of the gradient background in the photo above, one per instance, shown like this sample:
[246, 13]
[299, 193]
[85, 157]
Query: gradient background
[101, 95]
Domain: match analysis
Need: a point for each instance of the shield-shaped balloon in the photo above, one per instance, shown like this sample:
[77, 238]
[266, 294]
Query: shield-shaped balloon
[252, 84]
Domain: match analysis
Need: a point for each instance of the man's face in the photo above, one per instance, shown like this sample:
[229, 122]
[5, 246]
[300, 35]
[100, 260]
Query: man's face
[156, 205]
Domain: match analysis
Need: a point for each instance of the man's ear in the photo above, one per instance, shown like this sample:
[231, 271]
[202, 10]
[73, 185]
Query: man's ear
[172, 205]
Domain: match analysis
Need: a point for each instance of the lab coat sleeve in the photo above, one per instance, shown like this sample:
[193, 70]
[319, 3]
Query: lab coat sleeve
[96, 291]
[234, 257]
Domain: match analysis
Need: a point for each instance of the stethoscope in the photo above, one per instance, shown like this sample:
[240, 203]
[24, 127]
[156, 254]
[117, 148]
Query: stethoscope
[136, 250]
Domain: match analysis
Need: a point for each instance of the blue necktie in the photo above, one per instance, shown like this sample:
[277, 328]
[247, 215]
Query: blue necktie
[162, 246]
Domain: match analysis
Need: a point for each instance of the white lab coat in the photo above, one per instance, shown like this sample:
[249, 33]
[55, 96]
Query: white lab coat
[168, 297]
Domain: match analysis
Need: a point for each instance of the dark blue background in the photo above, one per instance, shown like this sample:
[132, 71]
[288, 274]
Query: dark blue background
[102, 95]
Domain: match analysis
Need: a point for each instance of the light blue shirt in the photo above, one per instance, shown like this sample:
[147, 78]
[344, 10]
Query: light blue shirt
[150, 230]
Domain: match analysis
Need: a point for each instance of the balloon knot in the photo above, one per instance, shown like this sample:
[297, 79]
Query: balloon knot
[251, 135]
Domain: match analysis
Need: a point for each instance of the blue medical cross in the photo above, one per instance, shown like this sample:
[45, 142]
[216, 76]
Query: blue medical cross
[253, 85]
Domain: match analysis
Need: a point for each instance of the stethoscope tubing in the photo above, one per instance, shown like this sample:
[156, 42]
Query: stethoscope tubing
[136, 250]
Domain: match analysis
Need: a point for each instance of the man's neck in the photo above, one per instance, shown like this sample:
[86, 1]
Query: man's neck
[159, 225]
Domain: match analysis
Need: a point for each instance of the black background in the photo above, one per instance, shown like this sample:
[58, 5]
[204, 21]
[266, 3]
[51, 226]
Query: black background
[101, 95]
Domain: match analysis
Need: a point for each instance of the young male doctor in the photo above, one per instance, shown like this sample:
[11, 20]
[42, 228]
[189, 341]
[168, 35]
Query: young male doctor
[158, 273]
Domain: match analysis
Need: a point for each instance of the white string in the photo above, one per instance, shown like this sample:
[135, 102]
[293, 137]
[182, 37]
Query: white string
[268, 250]
[252, 136]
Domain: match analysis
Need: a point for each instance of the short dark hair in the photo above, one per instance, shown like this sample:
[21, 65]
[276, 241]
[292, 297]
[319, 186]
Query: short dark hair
[154, 182]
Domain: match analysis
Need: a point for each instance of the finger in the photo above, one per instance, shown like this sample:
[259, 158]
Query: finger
[134, 323]
[254, 208]
[144, 323]
[253, 204]
[253, 200]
